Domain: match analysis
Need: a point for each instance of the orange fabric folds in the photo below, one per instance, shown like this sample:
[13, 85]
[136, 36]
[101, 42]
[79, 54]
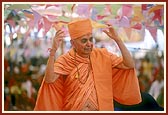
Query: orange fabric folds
[126, 87]
[110, 83]
[50, 96]
[119, 84]
[80, 27]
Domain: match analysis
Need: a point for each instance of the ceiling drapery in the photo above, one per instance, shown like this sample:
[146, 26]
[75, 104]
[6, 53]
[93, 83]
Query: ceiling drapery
[129, 19]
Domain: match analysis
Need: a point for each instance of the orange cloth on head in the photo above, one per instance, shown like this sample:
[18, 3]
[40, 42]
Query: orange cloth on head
[79, 27]
[110, 83]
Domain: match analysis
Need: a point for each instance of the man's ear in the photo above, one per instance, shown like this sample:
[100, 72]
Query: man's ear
[72, 44]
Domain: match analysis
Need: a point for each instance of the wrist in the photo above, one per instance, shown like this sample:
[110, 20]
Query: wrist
[52, 52]
[118, 40]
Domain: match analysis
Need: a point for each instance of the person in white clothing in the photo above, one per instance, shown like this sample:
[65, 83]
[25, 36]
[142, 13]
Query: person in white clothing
[156, 86]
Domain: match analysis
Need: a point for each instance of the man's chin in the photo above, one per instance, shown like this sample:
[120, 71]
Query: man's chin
[88, 51]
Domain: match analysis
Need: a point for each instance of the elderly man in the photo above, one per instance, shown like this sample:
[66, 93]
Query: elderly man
[87, 78]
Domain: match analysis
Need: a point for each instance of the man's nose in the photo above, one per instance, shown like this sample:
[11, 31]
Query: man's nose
[89, 43]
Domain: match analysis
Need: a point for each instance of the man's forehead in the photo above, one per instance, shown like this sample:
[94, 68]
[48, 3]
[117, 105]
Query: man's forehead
[85, 36]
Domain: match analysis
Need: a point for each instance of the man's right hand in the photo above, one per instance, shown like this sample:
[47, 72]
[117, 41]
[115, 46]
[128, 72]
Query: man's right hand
[57, 38]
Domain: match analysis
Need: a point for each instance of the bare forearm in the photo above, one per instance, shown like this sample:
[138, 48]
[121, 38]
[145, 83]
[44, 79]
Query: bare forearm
[127, 58]
[50, 76]
[49, 73]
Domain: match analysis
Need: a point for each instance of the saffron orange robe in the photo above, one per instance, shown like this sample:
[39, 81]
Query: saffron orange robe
[108, 82]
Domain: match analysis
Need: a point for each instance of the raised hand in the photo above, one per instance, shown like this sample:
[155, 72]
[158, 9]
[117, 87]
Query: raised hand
[112, 33]
[57, 39]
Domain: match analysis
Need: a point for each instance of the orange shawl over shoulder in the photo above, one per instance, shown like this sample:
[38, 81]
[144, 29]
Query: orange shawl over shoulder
[110, 83]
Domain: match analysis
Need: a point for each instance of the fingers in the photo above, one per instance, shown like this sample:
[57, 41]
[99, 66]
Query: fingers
[112, 30]
[59, 34]
[56, 26]
[109, 25]
[105, 31]
[59, 31]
